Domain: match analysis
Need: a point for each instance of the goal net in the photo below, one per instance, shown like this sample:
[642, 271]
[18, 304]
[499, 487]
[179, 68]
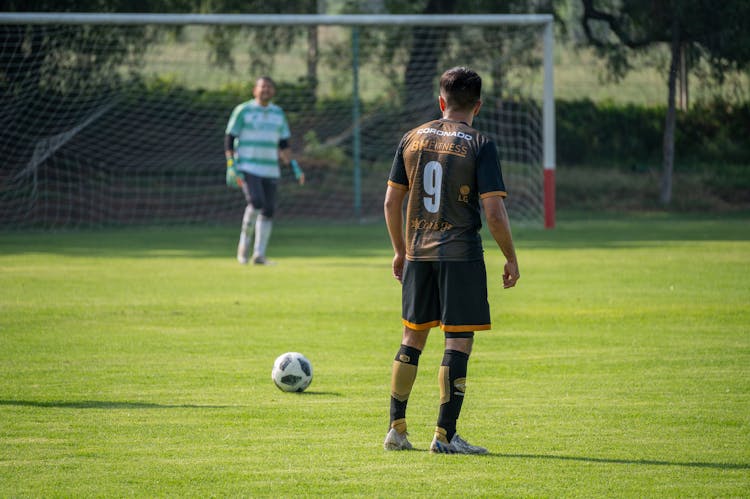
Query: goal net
[114, 120]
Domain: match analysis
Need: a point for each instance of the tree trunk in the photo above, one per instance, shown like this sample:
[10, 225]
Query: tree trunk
[424, 56]
[312, 60]
[23, 65]
[313, 54]
[684, 95]
[665, 195]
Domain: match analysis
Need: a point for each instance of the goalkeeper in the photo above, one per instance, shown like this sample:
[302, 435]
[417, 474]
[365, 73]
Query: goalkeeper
[259, 130]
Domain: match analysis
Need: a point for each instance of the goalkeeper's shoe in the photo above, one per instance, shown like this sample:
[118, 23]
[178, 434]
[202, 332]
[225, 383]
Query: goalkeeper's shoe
[243, 248]
[262, 260]
[396, 441]
[457, 445]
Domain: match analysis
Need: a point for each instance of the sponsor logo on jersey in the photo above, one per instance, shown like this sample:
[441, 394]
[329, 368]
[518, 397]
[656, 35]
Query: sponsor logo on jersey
[438, 146]
[444, 133]
[463, 193]
[423, 224]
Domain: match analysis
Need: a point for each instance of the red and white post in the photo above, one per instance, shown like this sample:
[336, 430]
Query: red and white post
[548, 118]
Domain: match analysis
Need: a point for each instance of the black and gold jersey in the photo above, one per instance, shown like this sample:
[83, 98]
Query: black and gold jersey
[447, 167]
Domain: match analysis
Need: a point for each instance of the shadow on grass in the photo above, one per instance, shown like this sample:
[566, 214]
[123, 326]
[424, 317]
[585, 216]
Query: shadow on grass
[104, 404]
[603, 460]
[646, 462]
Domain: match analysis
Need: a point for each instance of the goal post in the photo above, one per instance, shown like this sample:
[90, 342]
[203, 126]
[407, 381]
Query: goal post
[548, 136]
[118, 118]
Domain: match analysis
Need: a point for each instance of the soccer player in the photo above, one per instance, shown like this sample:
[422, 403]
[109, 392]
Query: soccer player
[259, 130]
[446, 169]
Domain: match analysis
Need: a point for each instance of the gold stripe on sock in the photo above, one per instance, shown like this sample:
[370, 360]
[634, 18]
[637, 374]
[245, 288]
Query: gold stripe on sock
[445, 384]
[440, 434]
[460, 385]
[402, 380]
[399, 425]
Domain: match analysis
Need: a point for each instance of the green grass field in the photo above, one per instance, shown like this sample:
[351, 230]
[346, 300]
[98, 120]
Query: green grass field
[136, 362]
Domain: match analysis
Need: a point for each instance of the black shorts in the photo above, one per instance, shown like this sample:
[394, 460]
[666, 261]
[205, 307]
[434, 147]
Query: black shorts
[452, 295]
[261, 193]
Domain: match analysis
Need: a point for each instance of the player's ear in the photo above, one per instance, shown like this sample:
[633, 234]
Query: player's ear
[477, 106]
[441, 102]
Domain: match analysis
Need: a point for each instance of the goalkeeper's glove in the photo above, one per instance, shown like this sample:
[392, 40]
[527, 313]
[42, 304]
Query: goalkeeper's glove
[298, 173]
[234, 178]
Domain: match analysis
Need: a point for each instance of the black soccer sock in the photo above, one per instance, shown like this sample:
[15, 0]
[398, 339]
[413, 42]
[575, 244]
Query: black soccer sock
[452, 380]
[402, 379]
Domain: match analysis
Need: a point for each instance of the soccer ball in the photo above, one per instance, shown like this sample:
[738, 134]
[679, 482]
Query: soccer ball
[292, 372]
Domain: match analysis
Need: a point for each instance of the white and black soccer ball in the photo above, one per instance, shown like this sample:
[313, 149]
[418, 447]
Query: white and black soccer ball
[292, 372]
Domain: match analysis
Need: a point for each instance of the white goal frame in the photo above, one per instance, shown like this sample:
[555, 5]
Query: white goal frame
[545, 20]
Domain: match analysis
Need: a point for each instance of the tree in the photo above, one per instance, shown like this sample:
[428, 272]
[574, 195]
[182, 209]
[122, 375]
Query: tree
[717, 32]
[419, 50]
[46, 62]
[426, 45]
[264, 42]
[40, 65]
[24, 44]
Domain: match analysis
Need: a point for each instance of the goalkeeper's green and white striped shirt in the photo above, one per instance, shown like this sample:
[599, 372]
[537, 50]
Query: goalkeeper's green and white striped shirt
[258, 130]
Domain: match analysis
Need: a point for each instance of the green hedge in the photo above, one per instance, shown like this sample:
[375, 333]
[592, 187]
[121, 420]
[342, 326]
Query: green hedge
[588, 133]
[629, 135]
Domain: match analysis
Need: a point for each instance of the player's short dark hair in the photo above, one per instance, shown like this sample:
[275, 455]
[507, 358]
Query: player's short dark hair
[461, 88]
[268, 79]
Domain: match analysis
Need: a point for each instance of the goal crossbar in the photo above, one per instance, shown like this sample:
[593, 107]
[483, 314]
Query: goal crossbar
[276, 19]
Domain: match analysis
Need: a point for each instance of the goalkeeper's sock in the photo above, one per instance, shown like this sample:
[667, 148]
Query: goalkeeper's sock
[248, 220]
[402, 380]
[452, 379]
[263, 228]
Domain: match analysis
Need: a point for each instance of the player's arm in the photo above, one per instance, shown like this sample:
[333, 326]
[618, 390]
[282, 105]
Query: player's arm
[499, 225]
[229, 146]
[232, 132]
[491, 192]
[394, 219]
[285, 153]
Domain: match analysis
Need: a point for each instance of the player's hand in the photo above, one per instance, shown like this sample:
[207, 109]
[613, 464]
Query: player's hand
[510, 274]
[234, 178]
[398, 267]
[298, 173]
